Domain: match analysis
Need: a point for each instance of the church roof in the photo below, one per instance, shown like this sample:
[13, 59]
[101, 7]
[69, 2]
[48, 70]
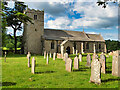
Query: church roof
[53, 34]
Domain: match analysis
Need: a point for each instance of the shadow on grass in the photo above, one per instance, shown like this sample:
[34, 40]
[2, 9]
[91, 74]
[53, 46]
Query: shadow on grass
[8, 83]
[108, 72]
[44, 72]
[110, 79]
[79, 70]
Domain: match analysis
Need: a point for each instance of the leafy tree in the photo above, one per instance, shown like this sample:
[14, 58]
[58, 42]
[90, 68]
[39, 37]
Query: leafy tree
[15, 17]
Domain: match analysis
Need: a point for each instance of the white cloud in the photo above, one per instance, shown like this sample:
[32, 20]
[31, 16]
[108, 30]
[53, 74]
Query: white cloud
[112, 36]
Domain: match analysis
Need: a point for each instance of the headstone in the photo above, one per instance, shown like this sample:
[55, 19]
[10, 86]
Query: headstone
[50, 55]
[116, 64]
[94, 56]
[103, 63]
[80, 57]
[88, 60]
[65, 57]
[54, 55]
[76, 63]
[76, 52]
[47, 59]
[95, 71]
[33, 65]
[28, 57]
[69, 65]
[5, 56]
[44, 54]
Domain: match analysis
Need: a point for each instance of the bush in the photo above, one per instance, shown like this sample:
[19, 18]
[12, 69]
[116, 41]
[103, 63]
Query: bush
[10, 45]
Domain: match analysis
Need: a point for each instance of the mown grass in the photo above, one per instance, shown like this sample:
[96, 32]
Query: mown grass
[16, 74]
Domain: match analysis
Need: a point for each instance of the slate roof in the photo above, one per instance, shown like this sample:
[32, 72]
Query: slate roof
[53, 34]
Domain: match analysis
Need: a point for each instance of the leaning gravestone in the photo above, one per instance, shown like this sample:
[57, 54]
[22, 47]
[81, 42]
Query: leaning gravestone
[76, 63]
[69, 65]
[50, 55]
[95, 71]
[80, 57]
[33, 65]
[47, 59]
[88, 60]
[5, 56]
[116, 64]
[65, 57]
[44, 54]
[28, 57]
[54, 55]
[103, 63]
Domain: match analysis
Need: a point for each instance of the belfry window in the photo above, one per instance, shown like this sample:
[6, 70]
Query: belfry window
[52, 45]
[35, 17]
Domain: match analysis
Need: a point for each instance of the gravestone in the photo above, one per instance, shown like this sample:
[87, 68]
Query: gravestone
[88, 60]
[116, 64]
[94, 56]
[103, 63]
[5, 56]
[54, 55]
[47, 59]
[80, 57]
[69, 65]
[44, 54]
[50, 55]
[76, 52]
[33, 65]
[76, 63]
[65, 57]
[95, 71]
[28, 57]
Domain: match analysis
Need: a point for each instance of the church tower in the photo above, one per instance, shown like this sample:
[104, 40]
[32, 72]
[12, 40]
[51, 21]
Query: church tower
[32, 35]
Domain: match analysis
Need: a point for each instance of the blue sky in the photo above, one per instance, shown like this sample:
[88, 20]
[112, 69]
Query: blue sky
[74, 15]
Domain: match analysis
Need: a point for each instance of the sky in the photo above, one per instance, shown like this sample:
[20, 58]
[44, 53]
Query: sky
[76, 15]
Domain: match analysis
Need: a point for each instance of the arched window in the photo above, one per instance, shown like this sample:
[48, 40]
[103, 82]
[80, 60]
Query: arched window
[87, 46]
[52, 45]
[99, 46]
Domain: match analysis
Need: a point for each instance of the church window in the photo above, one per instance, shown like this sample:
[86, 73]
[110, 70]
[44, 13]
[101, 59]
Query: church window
[52, 45]
[87, 46]
[99, 46]
[35, 17]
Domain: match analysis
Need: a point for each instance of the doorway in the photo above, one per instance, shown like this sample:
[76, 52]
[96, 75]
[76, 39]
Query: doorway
[68, 50]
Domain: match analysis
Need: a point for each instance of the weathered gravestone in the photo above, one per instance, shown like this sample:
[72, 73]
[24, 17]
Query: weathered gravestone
[95, 71]
[76, 63]
[5, 56]
[33, 65]
[103, 63]
[47, 59]
[44, 54]
[54, 55]
[28, 57]
[50, 55]
[65, 57]
[88, 60]
[80, 57]
[76, 52]
[94, 56]
[116, 64]
[69, 65]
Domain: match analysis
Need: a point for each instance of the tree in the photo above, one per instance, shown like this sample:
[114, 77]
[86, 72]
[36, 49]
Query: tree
[15, 17]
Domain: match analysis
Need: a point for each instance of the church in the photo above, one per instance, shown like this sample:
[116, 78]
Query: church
[37, 39]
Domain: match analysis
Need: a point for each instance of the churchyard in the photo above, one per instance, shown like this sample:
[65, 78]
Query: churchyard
[52, 73]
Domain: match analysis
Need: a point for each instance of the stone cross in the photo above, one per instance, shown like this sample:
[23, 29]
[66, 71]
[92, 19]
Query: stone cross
[50, 54]
[116, 64]
[103, 63]
[76, 52]
[5, 56]
[65, 57]
[88, 60]
[95, 71]
[76, 63]
[33, 65]
[80, 57]
[44, 54]
[47, 59]
[28, 57]
[69, 65]
[54, 55]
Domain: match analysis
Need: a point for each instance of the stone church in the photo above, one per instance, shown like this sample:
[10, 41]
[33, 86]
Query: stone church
[37, 39]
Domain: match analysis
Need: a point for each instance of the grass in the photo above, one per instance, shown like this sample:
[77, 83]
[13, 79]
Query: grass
[16, 74]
